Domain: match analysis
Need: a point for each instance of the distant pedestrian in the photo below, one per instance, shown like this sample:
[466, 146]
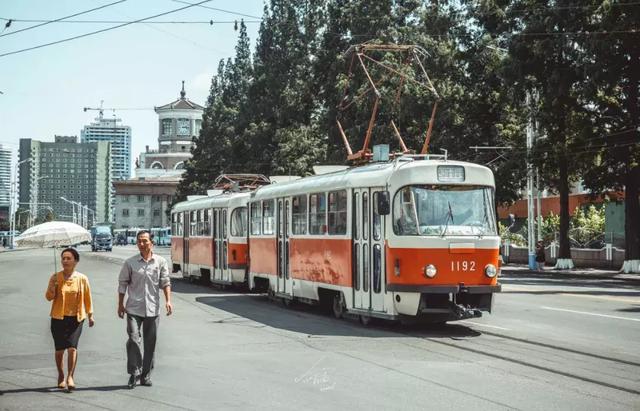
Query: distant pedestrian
[540, 258]
[141, 278]
[71, 295]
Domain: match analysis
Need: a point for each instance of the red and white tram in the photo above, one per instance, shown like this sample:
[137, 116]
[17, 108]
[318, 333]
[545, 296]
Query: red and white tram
[210, 238]
[415, 237]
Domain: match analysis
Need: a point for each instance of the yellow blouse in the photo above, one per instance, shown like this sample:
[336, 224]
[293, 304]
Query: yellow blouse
[70, 297]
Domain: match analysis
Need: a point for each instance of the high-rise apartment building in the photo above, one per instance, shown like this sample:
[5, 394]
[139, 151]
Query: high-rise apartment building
[79, 172]
[108, 129]
[5, 175]
[5, 184]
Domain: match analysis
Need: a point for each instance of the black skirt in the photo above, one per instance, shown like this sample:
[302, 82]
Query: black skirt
[66, 332]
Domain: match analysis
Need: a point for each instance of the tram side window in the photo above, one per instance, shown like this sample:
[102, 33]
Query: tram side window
[239, 222]
[180, 224]
[317, 213]
[193, 223]
[299, 214]
[200, 226]
[255, 219]
[268, 214]
[174, 223]
[207, 222]
[338, 212]
[405, 215]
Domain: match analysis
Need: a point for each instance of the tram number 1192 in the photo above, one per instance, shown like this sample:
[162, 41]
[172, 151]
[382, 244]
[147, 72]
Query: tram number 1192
[463, 265]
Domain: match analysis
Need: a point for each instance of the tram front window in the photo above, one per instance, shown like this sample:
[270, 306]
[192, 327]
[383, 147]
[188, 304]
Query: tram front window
[438, 210]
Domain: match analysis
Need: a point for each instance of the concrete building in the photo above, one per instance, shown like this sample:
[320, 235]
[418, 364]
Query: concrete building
[143, 200]
[5, 185]
[108, 129]
[79, 172]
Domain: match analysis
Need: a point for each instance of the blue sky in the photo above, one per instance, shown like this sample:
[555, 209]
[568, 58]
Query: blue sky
[140, 65]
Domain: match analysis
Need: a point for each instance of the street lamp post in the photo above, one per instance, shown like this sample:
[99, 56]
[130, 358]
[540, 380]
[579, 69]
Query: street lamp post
[73, 209]
[12, 202]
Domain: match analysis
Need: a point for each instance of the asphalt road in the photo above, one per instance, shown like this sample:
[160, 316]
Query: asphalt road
[570, 344]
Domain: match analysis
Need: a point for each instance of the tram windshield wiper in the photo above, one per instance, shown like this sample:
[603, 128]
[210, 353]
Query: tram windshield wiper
[449, 217]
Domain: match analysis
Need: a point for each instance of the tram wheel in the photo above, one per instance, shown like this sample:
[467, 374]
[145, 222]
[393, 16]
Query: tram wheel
[338, 306]
[365, 320]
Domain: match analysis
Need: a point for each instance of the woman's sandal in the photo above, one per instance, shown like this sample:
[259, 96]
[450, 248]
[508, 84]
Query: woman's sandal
[71, 386]
[61, 383]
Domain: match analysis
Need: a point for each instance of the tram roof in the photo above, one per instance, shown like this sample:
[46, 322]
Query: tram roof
[220, 200]
[372, 175]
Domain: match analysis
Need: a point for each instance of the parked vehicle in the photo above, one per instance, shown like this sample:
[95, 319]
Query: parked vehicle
[101, 238]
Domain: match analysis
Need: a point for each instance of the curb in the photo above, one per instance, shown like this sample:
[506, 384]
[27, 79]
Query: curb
[632, 278]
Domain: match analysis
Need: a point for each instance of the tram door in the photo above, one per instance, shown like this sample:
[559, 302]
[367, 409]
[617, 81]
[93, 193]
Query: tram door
[224, 248]
[186, 217]
[215, 225]
[220, 245]
[284, 280]
[368, 251]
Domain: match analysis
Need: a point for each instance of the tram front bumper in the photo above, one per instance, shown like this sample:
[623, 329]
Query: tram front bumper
[456, 302]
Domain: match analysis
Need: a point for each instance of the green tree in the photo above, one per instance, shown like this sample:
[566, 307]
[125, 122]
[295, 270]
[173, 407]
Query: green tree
[614, 49]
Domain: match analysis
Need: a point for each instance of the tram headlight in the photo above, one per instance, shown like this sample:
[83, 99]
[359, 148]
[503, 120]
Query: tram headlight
[430, 271]
[490, 270]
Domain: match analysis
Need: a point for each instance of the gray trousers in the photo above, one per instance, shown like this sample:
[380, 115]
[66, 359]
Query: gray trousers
[138, 363]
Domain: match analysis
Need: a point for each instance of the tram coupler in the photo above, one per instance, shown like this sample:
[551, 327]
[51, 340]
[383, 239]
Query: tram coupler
[462, 312]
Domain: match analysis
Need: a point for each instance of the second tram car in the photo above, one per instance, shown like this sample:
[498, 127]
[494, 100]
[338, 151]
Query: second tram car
[210, 238]
[413, 238]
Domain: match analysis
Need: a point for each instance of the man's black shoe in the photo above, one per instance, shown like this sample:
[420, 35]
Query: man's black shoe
[133, 380]
[146, 382]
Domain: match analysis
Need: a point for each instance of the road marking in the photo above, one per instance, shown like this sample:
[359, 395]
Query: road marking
[612, 297]
[594, 314]
[482, 325]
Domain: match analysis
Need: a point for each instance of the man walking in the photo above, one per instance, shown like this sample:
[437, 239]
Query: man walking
[141, 278]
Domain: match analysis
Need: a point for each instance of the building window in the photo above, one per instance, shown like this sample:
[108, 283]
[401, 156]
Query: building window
[140, 198]
[125, 212]
[166, 127]
[183, 127]
[156, 213]
[125, 198]
[141, 212]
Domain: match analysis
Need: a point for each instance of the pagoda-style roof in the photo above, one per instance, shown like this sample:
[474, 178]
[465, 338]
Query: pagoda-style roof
[183, 103]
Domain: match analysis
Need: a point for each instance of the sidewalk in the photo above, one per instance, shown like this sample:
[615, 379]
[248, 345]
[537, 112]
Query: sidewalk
[514, 270]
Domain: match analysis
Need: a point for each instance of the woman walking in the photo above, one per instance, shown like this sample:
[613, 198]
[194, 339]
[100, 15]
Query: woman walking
[71, 295]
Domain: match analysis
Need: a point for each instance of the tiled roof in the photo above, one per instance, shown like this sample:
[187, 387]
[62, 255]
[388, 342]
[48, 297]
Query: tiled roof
[183, 103]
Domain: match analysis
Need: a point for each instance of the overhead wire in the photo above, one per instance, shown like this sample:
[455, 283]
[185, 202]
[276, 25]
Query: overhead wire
[45, 22]
[222, 10]
[124, 21]
[102, 30]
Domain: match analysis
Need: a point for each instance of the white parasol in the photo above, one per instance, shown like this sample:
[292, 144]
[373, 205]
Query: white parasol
[53, 234]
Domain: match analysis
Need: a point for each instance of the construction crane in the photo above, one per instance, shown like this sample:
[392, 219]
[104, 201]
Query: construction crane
[101, 109]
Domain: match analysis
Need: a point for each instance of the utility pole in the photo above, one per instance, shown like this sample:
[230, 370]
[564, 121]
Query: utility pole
[531, 234]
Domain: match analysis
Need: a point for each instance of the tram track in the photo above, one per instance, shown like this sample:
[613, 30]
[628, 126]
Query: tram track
[458, 344]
